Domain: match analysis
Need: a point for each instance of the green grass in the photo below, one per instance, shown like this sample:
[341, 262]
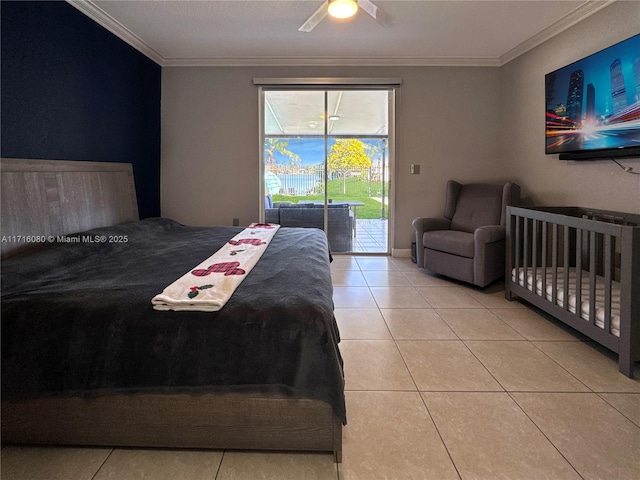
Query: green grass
[356, 190]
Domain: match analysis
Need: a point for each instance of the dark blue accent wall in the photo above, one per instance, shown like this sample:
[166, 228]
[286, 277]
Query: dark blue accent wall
[71, 90]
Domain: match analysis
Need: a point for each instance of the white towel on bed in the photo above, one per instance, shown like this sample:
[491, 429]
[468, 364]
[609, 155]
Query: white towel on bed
[208, 286]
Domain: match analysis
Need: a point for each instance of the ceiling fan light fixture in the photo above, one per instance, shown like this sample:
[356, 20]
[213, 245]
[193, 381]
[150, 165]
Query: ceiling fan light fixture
[342, 8]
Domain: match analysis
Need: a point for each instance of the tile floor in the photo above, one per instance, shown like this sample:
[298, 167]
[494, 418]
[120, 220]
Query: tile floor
[443, 381]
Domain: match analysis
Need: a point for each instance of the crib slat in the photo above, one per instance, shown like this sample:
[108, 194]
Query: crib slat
[517, 259]
[608, 250]
[565, 264]
[554, 263]
[525, 262]
[579, 252]
[534, 254]
[544, 259]
[592, 277]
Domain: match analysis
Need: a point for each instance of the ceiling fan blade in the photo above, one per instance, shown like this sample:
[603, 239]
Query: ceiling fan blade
[315, 18]
[379, 15]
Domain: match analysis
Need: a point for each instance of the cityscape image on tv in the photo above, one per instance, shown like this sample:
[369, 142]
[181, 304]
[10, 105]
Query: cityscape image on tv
[594, 103]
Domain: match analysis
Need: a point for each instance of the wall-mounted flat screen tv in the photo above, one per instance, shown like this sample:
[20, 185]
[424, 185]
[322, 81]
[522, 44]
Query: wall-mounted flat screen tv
[593, 105]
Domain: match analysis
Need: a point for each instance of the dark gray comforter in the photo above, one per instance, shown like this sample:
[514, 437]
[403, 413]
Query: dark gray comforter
[77, 319]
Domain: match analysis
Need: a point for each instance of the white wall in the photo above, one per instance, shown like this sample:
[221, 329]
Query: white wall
[445, 122]
[467, 124]
[549, 181]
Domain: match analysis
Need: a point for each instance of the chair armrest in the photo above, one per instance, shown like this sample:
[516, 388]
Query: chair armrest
[422, 224]
[489, 234]
[488, 257]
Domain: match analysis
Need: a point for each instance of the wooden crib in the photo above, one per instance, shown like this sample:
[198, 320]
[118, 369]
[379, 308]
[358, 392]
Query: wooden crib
[581, 266]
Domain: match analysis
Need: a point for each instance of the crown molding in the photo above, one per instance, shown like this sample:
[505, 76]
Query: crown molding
[107, 21]
[329, 61]
[101, 17]
[575, 16]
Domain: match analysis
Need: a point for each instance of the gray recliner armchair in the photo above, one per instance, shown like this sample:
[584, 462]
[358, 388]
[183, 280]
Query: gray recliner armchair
[468, 243]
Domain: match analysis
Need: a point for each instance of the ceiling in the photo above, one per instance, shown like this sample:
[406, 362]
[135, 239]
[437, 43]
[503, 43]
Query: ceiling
[350, 113]
[265, 32]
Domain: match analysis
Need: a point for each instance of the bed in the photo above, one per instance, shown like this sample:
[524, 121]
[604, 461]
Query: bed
[86, 360]
[581, 266]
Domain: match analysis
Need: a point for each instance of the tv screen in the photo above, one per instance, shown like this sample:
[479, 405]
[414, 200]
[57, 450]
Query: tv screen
[593, 105]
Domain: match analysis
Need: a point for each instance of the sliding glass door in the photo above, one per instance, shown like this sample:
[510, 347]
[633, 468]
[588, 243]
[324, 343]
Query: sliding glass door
[326, 163]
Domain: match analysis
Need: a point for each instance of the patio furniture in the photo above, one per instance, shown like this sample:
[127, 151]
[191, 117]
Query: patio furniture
[468, 243]
[353, 204]
[309, 215]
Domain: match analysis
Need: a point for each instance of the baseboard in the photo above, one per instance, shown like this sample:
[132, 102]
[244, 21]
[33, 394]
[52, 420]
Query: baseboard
[401, 252]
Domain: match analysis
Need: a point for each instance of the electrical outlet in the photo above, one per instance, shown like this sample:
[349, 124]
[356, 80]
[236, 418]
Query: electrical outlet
[236, 222]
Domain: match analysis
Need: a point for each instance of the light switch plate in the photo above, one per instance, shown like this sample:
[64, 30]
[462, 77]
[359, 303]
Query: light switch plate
[415, 168]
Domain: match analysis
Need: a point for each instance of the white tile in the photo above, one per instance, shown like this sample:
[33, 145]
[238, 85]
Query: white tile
[628, 404]
[344, 262]
[521, 367]
[160, 464]
[348, 278]
[353, 297]
[398, 297]
[390, 436]
[374, 365]
[448, 297]
[596, 439]
[385, 278]
[493, 296]
[404, 264]
[361, 324]
[417, 324]
[375, 263]
[489, 437]
[593, 365]
[276, 465]
[445, 366]
[534, 326]
[477, 324]
[51, 463]
[424, 278]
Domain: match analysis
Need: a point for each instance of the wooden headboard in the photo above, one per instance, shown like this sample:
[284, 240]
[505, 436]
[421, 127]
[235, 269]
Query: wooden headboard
[59, 197]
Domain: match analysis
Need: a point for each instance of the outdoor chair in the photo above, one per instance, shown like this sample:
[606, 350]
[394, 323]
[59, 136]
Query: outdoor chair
[340, 221]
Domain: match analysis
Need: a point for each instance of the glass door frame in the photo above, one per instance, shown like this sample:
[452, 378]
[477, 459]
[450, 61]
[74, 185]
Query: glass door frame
[327, 84]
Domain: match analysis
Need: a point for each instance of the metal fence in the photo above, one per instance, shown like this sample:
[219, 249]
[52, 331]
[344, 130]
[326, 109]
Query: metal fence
[356, 182]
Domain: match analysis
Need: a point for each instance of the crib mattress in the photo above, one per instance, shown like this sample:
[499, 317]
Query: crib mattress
[525, 279]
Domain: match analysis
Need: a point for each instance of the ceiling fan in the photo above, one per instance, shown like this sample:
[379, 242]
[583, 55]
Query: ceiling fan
[345, 9]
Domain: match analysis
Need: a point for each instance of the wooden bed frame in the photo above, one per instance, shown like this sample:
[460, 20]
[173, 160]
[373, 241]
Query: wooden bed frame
[44, 198]
[602, 248]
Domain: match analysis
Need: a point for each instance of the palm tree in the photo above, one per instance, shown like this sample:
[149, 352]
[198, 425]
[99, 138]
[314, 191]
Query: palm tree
[279, 145]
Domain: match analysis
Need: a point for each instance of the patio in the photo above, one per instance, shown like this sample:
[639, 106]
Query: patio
[371, 236]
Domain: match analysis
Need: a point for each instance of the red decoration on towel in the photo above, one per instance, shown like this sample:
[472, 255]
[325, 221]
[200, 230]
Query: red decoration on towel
[250, 241]
[195, 290]
[261, 225]
[228, 268]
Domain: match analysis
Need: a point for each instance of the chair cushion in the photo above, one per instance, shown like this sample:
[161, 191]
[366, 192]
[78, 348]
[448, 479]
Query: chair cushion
[450, 241]
[477, 205]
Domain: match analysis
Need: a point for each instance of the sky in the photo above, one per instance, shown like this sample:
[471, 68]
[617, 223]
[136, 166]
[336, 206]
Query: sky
[311, 150]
